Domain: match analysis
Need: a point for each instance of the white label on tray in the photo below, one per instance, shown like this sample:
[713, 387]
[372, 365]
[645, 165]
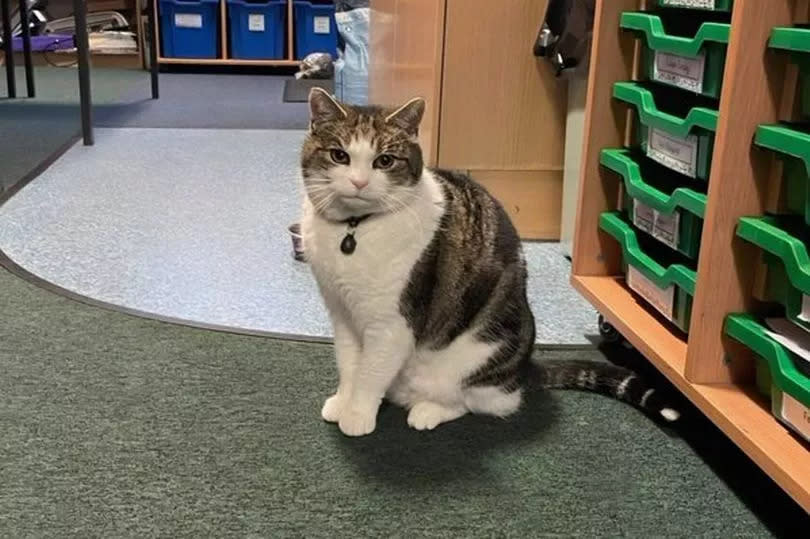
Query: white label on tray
[666, 228]
[696, 4]
[255, 22]
[321, 25]
[673, 152]
[661, 226]
[796, 414]
[681, 71]
[804, 316]
[188, 20]
[663, 299]
[643, 217]
[793, 337]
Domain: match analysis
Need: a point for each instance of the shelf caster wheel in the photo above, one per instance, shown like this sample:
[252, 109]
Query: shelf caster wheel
[608, 333]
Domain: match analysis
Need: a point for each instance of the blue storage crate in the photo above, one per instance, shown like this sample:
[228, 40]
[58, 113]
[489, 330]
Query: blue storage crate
[189, 28]
[257, 28]
[315, 29]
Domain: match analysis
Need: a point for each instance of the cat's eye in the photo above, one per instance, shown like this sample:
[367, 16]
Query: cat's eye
[339, 156]
[384, 161]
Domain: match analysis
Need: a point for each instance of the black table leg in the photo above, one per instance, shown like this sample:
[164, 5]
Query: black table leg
[26, 39]
[153, 48]
[8, 46]
[83, 53]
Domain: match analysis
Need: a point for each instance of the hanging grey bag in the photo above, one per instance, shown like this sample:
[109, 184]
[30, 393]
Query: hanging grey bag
[351, 68]
[565, 37]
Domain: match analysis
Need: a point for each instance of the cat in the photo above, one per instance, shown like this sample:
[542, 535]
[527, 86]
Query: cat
[423, 275]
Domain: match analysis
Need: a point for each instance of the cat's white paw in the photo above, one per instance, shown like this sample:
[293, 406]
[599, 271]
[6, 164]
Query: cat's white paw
[354, 423]
[331, 409]
[429, 415]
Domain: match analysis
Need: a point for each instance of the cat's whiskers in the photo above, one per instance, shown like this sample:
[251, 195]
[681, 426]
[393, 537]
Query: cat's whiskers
[318, 181]
[321, 204]
[326, 201]
[387, 205]
[315, 189]
[440, 225]
[399, 204]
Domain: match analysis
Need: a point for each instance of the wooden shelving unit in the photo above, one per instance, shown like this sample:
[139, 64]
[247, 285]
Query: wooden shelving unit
[717, 376]
[224, 59]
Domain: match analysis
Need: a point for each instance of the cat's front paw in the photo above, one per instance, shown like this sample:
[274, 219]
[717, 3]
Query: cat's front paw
[429, 415]
[332, 408]
[354, 423]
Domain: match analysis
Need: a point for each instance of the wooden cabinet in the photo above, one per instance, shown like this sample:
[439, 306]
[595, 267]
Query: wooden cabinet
[492, 107]
[714, 373]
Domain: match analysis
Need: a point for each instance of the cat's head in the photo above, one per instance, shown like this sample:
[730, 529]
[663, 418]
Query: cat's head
[361, 160]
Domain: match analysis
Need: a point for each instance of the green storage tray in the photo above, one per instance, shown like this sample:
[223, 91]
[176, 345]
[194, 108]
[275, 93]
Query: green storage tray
[702, 5]
[795, 40]
[692, 56]
[655, 201]
[784, 246]
[666, 284]
[784, 374]
[675, 132]
[764, 380]
[792, 145]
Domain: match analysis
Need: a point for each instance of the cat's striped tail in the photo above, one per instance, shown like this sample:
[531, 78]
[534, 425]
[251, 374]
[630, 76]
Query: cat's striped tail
[606, 379]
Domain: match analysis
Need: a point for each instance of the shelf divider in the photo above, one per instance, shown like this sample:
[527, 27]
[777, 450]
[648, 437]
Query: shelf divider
[737, 187]
[612, 55]
[223, 29]
[290, 30]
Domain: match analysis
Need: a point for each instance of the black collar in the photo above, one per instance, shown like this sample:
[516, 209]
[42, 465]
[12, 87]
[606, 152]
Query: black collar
[356, 220]
[349, 243]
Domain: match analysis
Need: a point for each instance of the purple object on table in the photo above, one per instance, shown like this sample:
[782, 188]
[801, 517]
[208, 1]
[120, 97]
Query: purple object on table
[50, 42]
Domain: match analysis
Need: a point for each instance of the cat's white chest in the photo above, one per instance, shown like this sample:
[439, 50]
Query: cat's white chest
[369, 282]
[375, 274]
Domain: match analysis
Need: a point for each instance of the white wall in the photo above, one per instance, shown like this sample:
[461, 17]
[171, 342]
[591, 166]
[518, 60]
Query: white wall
[574, 124]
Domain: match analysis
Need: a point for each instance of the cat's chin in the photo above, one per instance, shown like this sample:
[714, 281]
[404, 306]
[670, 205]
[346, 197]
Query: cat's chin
[347, 207]
[353, 204]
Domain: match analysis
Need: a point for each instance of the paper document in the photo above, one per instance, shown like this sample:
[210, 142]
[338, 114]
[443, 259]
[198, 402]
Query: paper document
[790, 336]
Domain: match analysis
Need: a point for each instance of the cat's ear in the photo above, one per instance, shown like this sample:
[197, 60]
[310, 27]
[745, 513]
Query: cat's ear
[324, 107]
[408, 116]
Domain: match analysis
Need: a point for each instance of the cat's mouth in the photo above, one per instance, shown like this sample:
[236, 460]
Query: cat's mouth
[356, 198]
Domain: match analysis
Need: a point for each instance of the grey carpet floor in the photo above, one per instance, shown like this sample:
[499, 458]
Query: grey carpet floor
[33, 129]
[60, 85]
[297, 90]
[209, 101]
[192, 224]
[118, 426]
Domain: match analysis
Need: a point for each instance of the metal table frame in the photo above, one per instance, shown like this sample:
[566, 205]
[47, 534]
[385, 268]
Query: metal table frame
[82, 52]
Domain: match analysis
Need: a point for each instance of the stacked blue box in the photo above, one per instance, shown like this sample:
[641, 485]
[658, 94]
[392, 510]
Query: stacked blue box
[257, 28]
[315, 29]
[189, 28]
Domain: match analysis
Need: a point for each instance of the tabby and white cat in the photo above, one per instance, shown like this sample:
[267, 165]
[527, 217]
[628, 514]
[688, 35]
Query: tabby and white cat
[424, 279]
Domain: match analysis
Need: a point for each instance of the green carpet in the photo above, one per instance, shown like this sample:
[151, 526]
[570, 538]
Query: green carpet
[115, 426]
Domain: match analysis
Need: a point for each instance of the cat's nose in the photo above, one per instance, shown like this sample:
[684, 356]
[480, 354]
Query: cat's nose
[360, 184]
